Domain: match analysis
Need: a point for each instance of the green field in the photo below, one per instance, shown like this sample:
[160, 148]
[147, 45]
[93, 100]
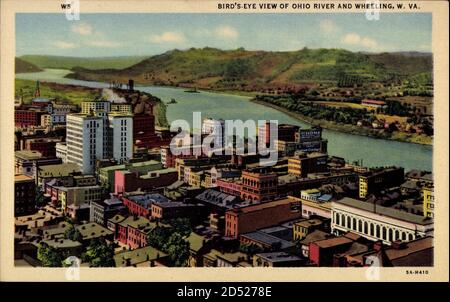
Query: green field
[63, 93]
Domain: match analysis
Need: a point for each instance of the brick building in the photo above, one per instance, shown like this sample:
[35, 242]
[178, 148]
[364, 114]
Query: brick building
[127, 181]
[24, 195]
[304, 163]
[28, 116]
[141, 204]
[254, 217]
[259, 184]
[375, 180]
[46, 146]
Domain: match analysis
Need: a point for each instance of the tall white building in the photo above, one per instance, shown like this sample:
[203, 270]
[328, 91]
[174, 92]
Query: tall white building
[216, 129]
[84, 140]
[95, 107]
[97, 133]
[120, 132]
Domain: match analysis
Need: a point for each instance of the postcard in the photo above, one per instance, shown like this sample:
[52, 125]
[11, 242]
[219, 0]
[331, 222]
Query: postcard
[224, 141]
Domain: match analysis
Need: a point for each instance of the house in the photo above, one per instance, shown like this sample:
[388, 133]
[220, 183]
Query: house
[147, 256]
[198, 247]
[277, 259]
[217, 258]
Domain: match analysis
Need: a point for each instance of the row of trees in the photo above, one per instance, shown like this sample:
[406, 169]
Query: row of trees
[310, 109]
[171, 239]
[98, 253]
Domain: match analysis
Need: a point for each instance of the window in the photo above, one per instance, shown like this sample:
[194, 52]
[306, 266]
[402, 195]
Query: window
[337, 218]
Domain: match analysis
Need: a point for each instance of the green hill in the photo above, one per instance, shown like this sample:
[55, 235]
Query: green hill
[240, 69]
[60, 62]
[23, 66]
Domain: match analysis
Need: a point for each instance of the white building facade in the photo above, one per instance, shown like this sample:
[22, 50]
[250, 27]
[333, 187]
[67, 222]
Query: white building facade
[84, 141]
[120, 132]
[377, 222]
[61, 151]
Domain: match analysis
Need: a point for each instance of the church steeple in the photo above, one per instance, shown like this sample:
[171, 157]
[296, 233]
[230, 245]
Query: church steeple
[37, 92]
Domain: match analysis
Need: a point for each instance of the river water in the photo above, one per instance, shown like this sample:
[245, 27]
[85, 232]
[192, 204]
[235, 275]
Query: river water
[373, 152]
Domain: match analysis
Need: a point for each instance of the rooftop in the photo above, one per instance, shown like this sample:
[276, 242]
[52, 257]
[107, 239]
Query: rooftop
[383, 211]
[147, 199]
[117, 218]
[332, 242]
[309, 222]
[268, 239]
[195, 241]
[156, 173]
[58, 170]
[139, 222]
[411, 247]
[278, 257]
[314, 236]
[263, 206]
[93, 230]
[229, 257]
[21, 177]
[218, 198]
[28, 154]
[136, 256]
[62, 243]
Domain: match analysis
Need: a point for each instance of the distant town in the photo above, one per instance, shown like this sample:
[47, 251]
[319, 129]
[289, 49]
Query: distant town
[97, 181]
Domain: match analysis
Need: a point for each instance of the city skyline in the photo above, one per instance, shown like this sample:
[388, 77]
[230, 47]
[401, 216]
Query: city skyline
[100, 35]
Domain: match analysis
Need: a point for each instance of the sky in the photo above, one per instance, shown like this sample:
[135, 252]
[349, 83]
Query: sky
[99, 35]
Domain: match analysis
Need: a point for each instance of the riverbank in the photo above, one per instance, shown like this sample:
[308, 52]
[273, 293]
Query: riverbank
[161, 117]
[352, 129]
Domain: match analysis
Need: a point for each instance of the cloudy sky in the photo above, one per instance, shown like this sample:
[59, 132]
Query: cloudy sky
[149, 34]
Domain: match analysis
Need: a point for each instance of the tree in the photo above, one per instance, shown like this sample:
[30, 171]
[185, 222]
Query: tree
[250, 249]
[178, 250]
[159, 236]
[73, 234]
[40, 198]
[99, 254]
[181, 225]
[49, 256]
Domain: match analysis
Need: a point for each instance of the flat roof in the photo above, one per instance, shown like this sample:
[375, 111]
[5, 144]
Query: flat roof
[268, 239]
[136, 256]
[62, 243]
[158, 172]
[58, 170]
[326, 243]
[93, 230]
[139, 222]
[195, 241]
[309, 222]
[278, 257]
[147, 199]
[28, 154]
[384, 211]
[230, 257]
[21, 177]
[218, 198]
[264, 205]
[314, 236]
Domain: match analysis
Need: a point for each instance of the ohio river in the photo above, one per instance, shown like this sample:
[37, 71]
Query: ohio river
[373, 152]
